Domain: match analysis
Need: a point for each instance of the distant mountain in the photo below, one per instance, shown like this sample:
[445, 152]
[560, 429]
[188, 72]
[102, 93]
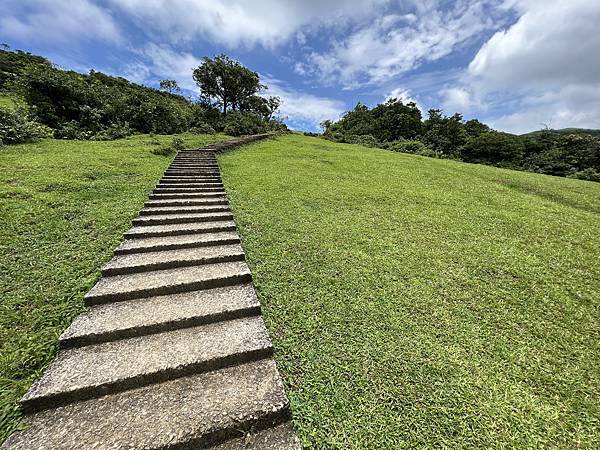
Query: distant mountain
[565, 131]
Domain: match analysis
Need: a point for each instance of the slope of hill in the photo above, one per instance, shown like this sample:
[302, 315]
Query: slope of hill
[417, 302]
[565, 131]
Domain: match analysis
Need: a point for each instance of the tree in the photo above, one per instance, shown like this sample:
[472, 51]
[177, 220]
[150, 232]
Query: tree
[394, 120]
[226, 82]
[474, 128]
[494, 148]
[170, 86]
[444, 134]
[263, 107]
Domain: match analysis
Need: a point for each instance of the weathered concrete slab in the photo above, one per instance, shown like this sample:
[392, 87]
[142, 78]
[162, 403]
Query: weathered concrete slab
[187, 202]
[155, 244]
[189, 412]
[168, 281]
[280, 437]
[163, 190]
[190, 184]
[81, 373]
[162, 210]
[179, 229]
[182, 218]
[148, 315]
[168, 259]
[177, 195]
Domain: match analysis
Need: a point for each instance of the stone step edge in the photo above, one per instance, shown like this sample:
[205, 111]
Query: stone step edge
[176, 246]
[91, 300]
[160, 327]
[174, 264]
[216, 228]
[171, 373]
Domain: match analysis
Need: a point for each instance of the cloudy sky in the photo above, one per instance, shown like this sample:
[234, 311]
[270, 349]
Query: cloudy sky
[515, 64]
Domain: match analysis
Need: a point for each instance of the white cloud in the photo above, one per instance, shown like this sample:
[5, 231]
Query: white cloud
[568, 106]
[458, 99]
[545, 65]
[394, 44]
[404, 95]
[242, 23]
[302, 109]
[164, 62]
[62, 21]
[553, 42]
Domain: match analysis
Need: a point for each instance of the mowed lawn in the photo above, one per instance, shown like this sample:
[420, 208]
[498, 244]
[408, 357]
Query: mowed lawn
[416, 302]
[64, 206]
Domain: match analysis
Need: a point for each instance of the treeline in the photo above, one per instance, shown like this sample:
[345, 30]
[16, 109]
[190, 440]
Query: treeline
[71, 105]
[400, 127]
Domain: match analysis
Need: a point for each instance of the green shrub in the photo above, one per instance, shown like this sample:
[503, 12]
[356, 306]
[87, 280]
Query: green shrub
[239, 124]
[203, 128]
[412, 146]
[115, 131]
[73, 131]
[16, 127]
[165, 150]
[177, 144]
[589, 174]
[367, 140]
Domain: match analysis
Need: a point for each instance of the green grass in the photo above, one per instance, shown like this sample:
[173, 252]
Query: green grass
[64, 206]
[416, 302]
[6, 102]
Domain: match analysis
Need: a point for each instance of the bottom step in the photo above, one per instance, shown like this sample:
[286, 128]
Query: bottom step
[191, 412]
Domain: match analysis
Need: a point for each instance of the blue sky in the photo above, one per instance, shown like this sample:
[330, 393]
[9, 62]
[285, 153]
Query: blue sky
[515, 64]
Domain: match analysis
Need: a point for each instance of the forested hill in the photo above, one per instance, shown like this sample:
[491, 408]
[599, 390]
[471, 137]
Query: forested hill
[560, 131]
[72, 105]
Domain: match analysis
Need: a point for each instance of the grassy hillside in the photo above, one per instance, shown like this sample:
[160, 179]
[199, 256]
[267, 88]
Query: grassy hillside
[64, 206]
[417, 302]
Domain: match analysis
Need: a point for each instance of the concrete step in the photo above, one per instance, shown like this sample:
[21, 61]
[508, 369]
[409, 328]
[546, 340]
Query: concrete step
[169, 281]
[194, 165]
[194, 169]
[280, 437]
[153, 244]
[199, 184]
[89, 372]
[183, 195]
[196, 173]
[167, 259]
[169, 190]
[156, 211]
[112, 321]
[192, 179]
[186, 413]
[182, 218]
[187, 202]
[179, 229]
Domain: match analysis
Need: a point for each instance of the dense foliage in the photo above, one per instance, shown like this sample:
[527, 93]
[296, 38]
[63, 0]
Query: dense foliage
[400, 127]
[99, 106]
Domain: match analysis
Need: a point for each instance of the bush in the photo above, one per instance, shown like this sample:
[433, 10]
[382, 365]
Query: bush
[72, 130]
[203, 128]
[165, 150]
[177, 144]
[415, 147]
[239, 124]
[367, 140]
[17, 128]
[113, 132]
[588, 174]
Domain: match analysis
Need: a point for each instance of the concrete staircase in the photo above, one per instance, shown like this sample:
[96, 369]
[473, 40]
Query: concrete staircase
[173, 352]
